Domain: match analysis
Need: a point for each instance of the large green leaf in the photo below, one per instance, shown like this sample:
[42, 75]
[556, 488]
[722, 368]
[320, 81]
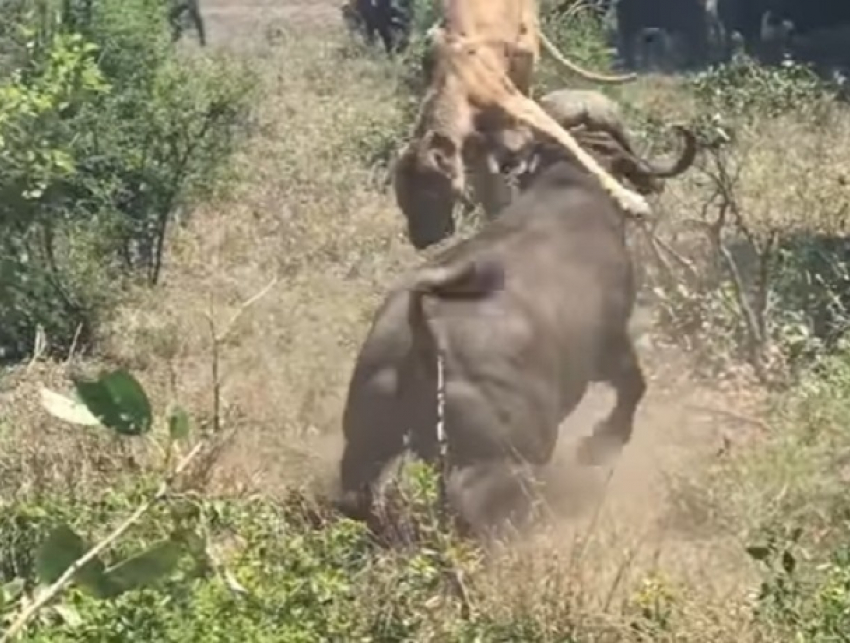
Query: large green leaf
[146, 568]
[62, 548]
[118, 401]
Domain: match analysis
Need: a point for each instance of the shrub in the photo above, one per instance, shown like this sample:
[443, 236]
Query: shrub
[762, 280]
[104, 133]
[750, 90]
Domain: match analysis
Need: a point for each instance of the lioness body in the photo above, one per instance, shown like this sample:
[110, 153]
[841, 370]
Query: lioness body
[483, 58]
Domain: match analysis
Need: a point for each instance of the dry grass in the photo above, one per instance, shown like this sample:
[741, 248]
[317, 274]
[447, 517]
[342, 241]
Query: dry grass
[306, 211]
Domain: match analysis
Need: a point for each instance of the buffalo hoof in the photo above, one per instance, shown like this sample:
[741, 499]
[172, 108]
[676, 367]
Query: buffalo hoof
[353, 505]
[598, 449]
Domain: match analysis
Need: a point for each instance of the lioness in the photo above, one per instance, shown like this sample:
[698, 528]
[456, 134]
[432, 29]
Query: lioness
[482, 60]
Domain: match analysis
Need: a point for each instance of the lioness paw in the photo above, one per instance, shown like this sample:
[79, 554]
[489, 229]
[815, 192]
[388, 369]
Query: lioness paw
[632, 202]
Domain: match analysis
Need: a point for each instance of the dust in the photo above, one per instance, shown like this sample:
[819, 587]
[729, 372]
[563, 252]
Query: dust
[623, 514]
[626, 516]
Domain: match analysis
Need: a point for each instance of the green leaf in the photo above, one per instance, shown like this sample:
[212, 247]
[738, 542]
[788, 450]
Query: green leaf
[178, 424]
[758, 552]
[118, 401]
[62, 548]
[194, 545]
[11, 592]
[68, 614]
[66, 409]
[146, 568]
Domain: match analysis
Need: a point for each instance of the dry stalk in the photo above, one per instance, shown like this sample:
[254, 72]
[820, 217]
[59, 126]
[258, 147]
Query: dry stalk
[217, 339]
[454, 575]
[442, 441]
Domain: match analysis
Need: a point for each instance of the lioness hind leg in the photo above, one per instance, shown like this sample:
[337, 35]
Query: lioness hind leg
[622, 370]
[488, 87]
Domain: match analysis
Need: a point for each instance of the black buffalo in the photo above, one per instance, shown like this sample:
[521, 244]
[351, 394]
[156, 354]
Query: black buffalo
[524, 316]
[390, 20]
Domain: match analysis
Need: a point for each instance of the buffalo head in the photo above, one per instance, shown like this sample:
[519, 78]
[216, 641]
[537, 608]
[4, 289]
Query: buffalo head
[618, 158]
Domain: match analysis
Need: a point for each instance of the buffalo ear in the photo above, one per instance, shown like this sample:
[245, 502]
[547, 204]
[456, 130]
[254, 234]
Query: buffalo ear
[440, 154]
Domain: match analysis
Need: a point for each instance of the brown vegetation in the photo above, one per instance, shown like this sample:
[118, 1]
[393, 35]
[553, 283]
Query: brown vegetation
[306, 210]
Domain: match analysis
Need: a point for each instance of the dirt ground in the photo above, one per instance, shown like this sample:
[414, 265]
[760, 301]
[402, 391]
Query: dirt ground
[237, 24]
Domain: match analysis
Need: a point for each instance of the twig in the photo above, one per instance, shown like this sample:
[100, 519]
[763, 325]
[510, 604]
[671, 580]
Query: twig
[39, 346]
[749, 313]
[218, 338]
[245, 305]
[73, 349]
[56, 588]
[658, 242]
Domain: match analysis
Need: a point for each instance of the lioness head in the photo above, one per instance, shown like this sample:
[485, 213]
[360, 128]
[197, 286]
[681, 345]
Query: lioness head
[428, 181]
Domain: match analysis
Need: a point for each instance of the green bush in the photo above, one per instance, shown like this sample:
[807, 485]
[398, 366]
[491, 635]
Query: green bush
[104, 133]
[750, 90]
[293, 582]
[801, 599]
[581, 37]
[208, 569]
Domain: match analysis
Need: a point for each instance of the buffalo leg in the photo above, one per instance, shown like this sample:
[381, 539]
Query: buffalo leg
[386, 35]
[199, 23]
[622, 370]
[490, 494]
[363, 462]
[370, 444]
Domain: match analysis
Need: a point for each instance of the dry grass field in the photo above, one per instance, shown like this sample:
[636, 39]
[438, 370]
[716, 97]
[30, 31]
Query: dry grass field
[307, 216]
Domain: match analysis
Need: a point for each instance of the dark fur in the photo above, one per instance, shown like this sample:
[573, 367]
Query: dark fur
[745, 16]
[176, 13]
[390, 20]
[520, 351]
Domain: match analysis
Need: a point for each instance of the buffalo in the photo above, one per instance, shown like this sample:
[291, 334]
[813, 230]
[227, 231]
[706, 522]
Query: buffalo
[390, 20]
[519, 319]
